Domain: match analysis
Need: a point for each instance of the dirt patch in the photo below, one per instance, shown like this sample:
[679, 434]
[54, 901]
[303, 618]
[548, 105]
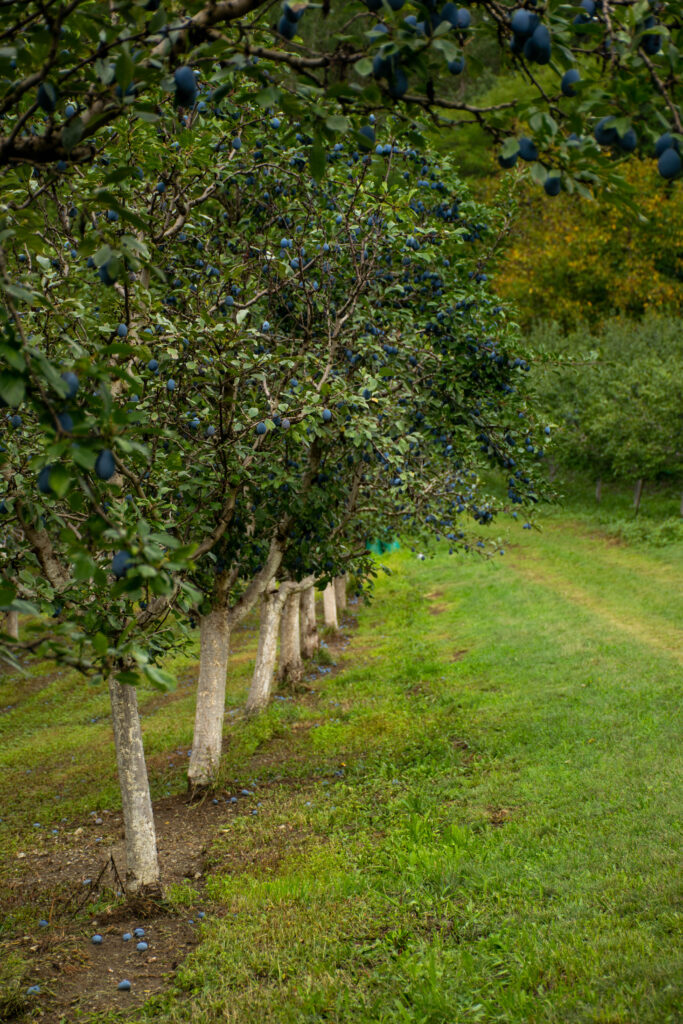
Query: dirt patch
[457, 655]
[499, 815]
[437, 609]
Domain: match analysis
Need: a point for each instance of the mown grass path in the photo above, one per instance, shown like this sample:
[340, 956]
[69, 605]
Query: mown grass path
[476, 820]
[503, 845]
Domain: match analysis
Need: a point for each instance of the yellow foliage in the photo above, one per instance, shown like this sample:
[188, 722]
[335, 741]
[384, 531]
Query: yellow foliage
[574, 261]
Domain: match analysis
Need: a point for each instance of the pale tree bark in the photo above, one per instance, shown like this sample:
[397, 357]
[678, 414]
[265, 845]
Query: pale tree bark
[214, 649]
[213, 667]
[272, 602]
[12, 624]
[309, 626]
[291, 667]
[142, 863]
[638, 494]
[330, 607]
[340, 593]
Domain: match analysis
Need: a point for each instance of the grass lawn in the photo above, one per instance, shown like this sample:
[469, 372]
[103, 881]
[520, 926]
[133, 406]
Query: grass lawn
[477, 819]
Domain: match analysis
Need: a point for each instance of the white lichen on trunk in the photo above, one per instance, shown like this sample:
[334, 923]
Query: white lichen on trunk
[264, 668]
[330, 607]
[142, 863]
[340, 593]
[214, 649]
[291, 667]
[12, 624]
[309, 627]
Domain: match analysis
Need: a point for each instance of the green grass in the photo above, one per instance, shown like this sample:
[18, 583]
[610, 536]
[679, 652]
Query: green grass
[477, 820]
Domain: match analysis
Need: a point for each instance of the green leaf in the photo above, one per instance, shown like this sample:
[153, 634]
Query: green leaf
[83, 457]
[159, 679]
[317, 160]
[124, 70]
[337, 123]
[60, 480]
[128, 677]
[12, 388]
[72, 133]
[363, 66]
[100, 644]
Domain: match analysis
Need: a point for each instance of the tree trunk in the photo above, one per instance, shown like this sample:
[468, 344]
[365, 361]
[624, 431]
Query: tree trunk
[638, 494]
[214, 641]
[598, 490]
[330, 607]
[264, 669]
[340, 593]
[309, 627]
[291, 667]
[10, 626]
[142, 863]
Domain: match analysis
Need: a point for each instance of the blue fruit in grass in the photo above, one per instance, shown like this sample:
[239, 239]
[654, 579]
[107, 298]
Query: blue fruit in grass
[569, 80]
[669, 164]
[122, 330]
[138, 932]
[96, 940]
[71, 381]
[261, 428]
[327, 415]
[44, 480]
[33, 990]
[47, 97]
[124, 986]
[185, 86]
[553, 185]
[141, 947]
[127, 936]
[105, 467]
[527, 150]
[121, 563]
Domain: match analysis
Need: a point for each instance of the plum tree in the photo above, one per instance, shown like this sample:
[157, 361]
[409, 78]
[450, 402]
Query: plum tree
[301, 468]
[67, 78]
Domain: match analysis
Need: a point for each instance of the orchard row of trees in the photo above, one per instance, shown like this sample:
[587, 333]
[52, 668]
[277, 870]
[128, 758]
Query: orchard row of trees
[246, 319]
[228, 377]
